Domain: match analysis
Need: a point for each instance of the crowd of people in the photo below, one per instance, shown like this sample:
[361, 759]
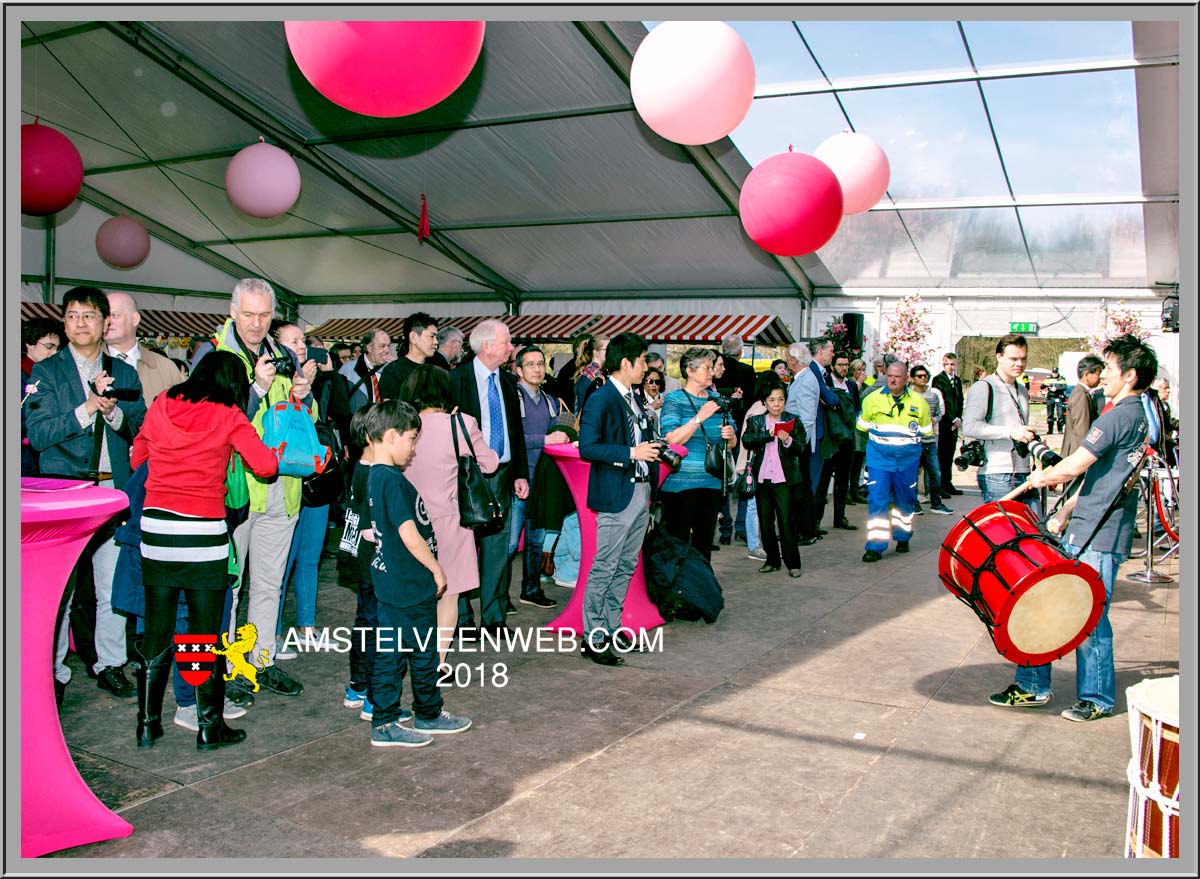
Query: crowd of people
[208, 508]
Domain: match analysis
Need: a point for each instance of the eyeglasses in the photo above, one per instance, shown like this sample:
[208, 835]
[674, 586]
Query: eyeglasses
[652, 381]
[49, 346]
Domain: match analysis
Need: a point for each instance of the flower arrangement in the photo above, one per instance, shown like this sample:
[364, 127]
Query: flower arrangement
[1114, 323]
[30, 390]
[840, 334]
[908, 331]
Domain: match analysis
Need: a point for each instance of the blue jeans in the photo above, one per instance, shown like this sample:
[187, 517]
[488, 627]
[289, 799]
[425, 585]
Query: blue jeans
[996, 485]
[535, 538]
[308, 539]
[933, 472]
[753, 541]
[1095, 676]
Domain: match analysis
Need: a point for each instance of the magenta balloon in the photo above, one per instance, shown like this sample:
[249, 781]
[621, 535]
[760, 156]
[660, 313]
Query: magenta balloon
[791, 204]
[385, 68]
[262, 181]
[692, 81]
[122, 242]
[51, 170]
[860, 165]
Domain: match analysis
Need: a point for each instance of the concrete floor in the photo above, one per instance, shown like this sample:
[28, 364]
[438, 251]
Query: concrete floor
[841, 715]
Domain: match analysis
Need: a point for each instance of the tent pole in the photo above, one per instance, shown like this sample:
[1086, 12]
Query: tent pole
[48, 280]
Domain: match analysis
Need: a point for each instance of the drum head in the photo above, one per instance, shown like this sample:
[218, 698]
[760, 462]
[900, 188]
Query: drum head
[1051, 612]
[1157, 698]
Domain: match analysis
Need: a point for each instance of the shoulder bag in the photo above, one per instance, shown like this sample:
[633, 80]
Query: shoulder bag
[718, 459]
[477, 505]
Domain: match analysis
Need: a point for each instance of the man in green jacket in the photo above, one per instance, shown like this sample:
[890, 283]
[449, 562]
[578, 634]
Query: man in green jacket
[266, 534]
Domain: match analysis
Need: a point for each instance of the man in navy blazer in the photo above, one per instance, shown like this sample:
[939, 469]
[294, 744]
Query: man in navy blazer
[488, 393]
[615, 438]
[64, 414]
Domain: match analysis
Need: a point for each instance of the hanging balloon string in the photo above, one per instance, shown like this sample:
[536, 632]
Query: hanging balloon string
[262, 272]
[362, 239]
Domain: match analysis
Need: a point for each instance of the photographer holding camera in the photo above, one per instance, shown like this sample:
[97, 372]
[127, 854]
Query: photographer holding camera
[996, 412]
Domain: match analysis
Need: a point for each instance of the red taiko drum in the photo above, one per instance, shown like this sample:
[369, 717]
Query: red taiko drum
[1037, 603]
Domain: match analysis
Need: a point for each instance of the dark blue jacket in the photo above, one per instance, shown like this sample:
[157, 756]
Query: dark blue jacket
[64, 446]
[605, 439]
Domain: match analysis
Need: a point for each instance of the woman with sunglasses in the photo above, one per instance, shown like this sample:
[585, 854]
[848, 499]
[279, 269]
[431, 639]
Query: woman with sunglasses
[653, 385]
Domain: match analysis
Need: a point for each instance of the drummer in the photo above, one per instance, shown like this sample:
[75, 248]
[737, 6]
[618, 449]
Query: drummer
[1106, 458]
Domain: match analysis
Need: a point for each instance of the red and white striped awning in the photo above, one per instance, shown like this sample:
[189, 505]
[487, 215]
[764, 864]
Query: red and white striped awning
[154, 322]
[524, 327]
[764, 329]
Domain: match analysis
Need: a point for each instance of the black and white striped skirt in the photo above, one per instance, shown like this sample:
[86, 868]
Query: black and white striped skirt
[184, 552]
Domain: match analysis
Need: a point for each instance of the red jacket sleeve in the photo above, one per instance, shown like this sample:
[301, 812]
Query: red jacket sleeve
[259, 458]
[141, 443]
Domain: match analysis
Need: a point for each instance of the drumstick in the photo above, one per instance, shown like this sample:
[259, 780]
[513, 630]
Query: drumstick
[1018, 491]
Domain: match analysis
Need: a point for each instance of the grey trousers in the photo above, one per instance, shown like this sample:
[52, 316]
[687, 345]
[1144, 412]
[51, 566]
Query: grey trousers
[494, 569]
[265, 538]
[619, 539]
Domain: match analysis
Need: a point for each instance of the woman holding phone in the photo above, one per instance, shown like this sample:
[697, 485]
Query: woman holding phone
[774, 441]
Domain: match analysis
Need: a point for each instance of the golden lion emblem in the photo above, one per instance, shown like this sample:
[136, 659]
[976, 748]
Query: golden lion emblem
[237, 652]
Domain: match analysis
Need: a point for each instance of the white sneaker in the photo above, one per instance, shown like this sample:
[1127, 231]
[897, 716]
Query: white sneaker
[185, 716]
[282, 652]
[232, 710]
[759, 555]
[564, 584]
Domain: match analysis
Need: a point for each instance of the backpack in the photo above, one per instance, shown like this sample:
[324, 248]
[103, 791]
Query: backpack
[288, 429]
[679, 580]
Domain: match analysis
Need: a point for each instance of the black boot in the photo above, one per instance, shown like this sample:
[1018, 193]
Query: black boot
[152, 677]
[210, 706]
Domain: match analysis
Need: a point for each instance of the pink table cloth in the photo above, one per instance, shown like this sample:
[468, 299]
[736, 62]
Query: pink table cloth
[639, 612]
[58, 810]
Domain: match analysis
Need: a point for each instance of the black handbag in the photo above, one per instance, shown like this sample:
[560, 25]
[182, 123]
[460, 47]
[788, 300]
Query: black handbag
[328, 486]
[747, 485]
[718, 459]
[477, 505]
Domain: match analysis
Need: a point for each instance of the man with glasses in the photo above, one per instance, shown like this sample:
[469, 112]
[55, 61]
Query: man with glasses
[83, 433]
[996, 411]
[362, 372]
[538, 411]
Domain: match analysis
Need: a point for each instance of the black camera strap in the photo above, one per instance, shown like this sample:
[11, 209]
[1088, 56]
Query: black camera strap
[93, 472]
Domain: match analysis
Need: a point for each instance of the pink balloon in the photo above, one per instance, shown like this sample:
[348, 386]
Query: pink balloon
[860, 165]
[51, 170]
[122, 242]
[262, 181]
[791, 204]
[385, 68]
[692, 81]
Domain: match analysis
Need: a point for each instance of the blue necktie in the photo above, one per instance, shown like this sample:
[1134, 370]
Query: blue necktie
[495, 417]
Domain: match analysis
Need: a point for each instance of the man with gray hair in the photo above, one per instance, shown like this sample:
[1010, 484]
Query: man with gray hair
[488, 393]
[266, 534]
[155, 371]
[450, 348]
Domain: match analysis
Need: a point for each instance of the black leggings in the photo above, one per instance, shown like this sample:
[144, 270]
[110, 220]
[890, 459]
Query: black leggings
[205, 608]
[691, 516]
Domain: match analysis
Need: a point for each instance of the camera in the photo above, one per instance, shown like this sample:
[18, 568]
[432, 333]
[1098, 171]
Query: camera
[284, 365]
[122, 395]
[971, 454]
[1043, 453]
[721, 400]
[669, 456]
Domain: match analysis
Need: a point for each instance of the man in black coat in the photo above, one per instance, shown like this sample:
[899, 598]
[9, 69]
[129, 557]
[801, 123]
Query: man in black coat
[948, 382]
[614, 436]
[82, 433]
[489, 394]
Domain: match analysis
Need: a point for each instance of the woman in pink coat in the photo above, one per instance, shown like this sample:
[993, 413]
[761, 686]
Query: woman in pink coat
[433, 471]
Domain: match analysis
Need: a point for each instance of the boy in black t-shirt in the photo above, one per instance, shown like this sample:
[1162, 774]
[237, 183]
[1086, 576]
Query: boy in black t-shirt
[408, 582]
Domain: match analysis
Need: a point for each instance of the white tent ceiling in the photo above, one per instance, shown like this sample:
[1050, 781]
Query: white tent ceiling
[543, 184]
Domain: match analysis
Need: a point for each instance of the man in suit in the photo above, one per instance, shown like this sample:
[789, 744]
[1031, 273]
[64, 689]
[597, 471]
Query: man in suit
[948, 382]
[155, 371]
[362, 372]
[1083, 406]
[489, 394]
[449, 348]
[614, 436]
[810, 390]
[84, 434]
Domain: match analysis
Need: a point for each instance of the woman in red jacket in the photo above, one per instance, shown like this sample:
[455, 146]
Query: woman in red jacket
[187, 437]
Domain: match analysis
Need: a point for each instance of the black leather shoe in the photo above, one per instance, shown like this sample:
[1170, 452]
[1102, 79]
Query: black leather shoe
[218, 735]
[726, 540]
[600, 657]
[113, 681]
[499, 631]
[768, 569]
[740, 536]
[538, 599]
[60, 690]
[624, 643]
[871, 556]
[845, 525]
[821, 532]
[952, 490]
[716, 547]
[902, 547]
[808, 541]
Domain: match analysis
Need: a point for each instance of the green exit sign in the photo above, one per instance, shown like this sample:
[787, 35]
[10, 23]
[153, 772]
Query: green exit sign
[1023, 327]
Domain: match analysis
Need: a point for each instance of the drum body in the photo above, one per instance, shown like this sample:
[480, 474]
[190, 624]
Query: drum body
[1037, 603]
[1153, 769]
